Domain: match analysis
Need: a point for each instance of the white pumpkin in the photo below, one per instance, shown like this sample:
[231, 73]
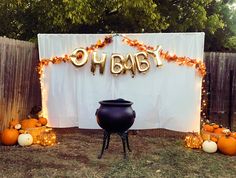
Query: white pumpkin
[25, 139]
[209, 146]
[18, 126]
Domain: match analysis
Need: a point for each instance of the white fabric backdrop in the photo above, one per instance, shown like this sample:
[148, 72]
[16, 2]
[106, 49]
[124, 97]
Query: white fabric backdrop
[167, 97]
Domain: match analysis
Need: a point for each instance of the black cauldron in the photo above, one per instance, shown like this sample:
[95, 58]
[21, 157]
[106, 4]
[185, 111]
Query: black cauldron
[115, 115]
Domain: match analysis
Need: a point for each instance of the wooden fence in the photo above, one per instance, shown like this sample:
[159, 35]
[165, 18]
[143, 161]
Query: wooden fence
[19, 84]
[221, 79]
[20, 89]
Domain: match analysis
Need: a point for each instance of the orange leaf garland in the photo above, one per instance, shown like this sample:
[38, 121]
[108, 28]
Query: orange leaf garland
[197, 64]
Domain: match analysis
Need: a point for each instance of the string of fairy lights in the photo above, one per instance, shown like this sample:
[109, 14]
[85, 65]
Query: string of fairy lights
[204, 100]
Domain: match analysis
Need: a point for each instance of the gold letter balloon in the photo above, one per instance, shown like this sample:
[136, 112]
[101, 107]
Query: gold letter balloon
[101, 63]
[142, 62]
[129, 64]
[156, 56]
[79, 61]
[116, 65]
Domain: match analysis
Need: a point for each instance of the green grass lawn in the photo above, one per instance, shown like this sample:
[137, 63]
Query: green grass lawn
[153, 155]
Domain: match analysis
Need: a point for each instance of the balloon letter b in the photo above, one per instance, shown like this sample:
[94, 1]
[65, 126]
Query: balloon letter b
[142, 62]
[116, 63]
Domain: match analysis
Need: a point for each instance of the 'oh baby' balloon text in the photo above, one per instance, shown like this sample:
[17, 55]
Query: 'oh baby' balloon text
[119, 64]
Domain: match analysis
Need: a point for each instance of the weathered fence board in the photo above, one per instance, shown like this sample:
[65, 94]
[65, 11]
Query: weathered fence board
[19, 84]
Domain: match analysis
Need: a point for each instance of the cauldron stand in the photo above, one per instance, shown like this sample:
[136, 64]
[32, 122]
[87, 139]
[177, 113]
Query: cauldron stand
[106, 140]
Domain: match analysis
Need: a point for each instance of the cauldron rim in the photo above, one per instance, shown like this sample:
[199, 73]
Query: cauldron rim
[117, 102]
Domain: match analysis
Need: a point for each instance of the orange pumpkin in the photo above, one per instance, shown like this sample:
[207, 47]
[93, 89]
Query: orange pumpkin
[227, 145]
[29, 123]
[208, 128]
[9, 136]
[43, 121]
[233, 134]
[219, 130]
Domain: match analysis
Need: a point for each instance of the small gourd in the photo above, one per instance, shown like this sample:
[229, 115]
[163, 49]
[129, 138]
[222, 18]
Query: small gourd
[208, 128]
[43, 121]
[17, 126]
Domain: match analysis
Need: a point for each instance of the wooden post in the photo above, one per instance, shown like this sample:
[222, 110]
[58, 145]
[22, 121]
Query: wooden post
[230, 112]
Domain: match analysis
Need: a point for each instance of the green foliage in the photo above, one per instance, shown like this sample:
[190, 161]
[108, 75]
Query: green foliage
[24, 19]
[214, 23]
[184, 16]
[113, 16]
[220, 40]
[231, 43]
